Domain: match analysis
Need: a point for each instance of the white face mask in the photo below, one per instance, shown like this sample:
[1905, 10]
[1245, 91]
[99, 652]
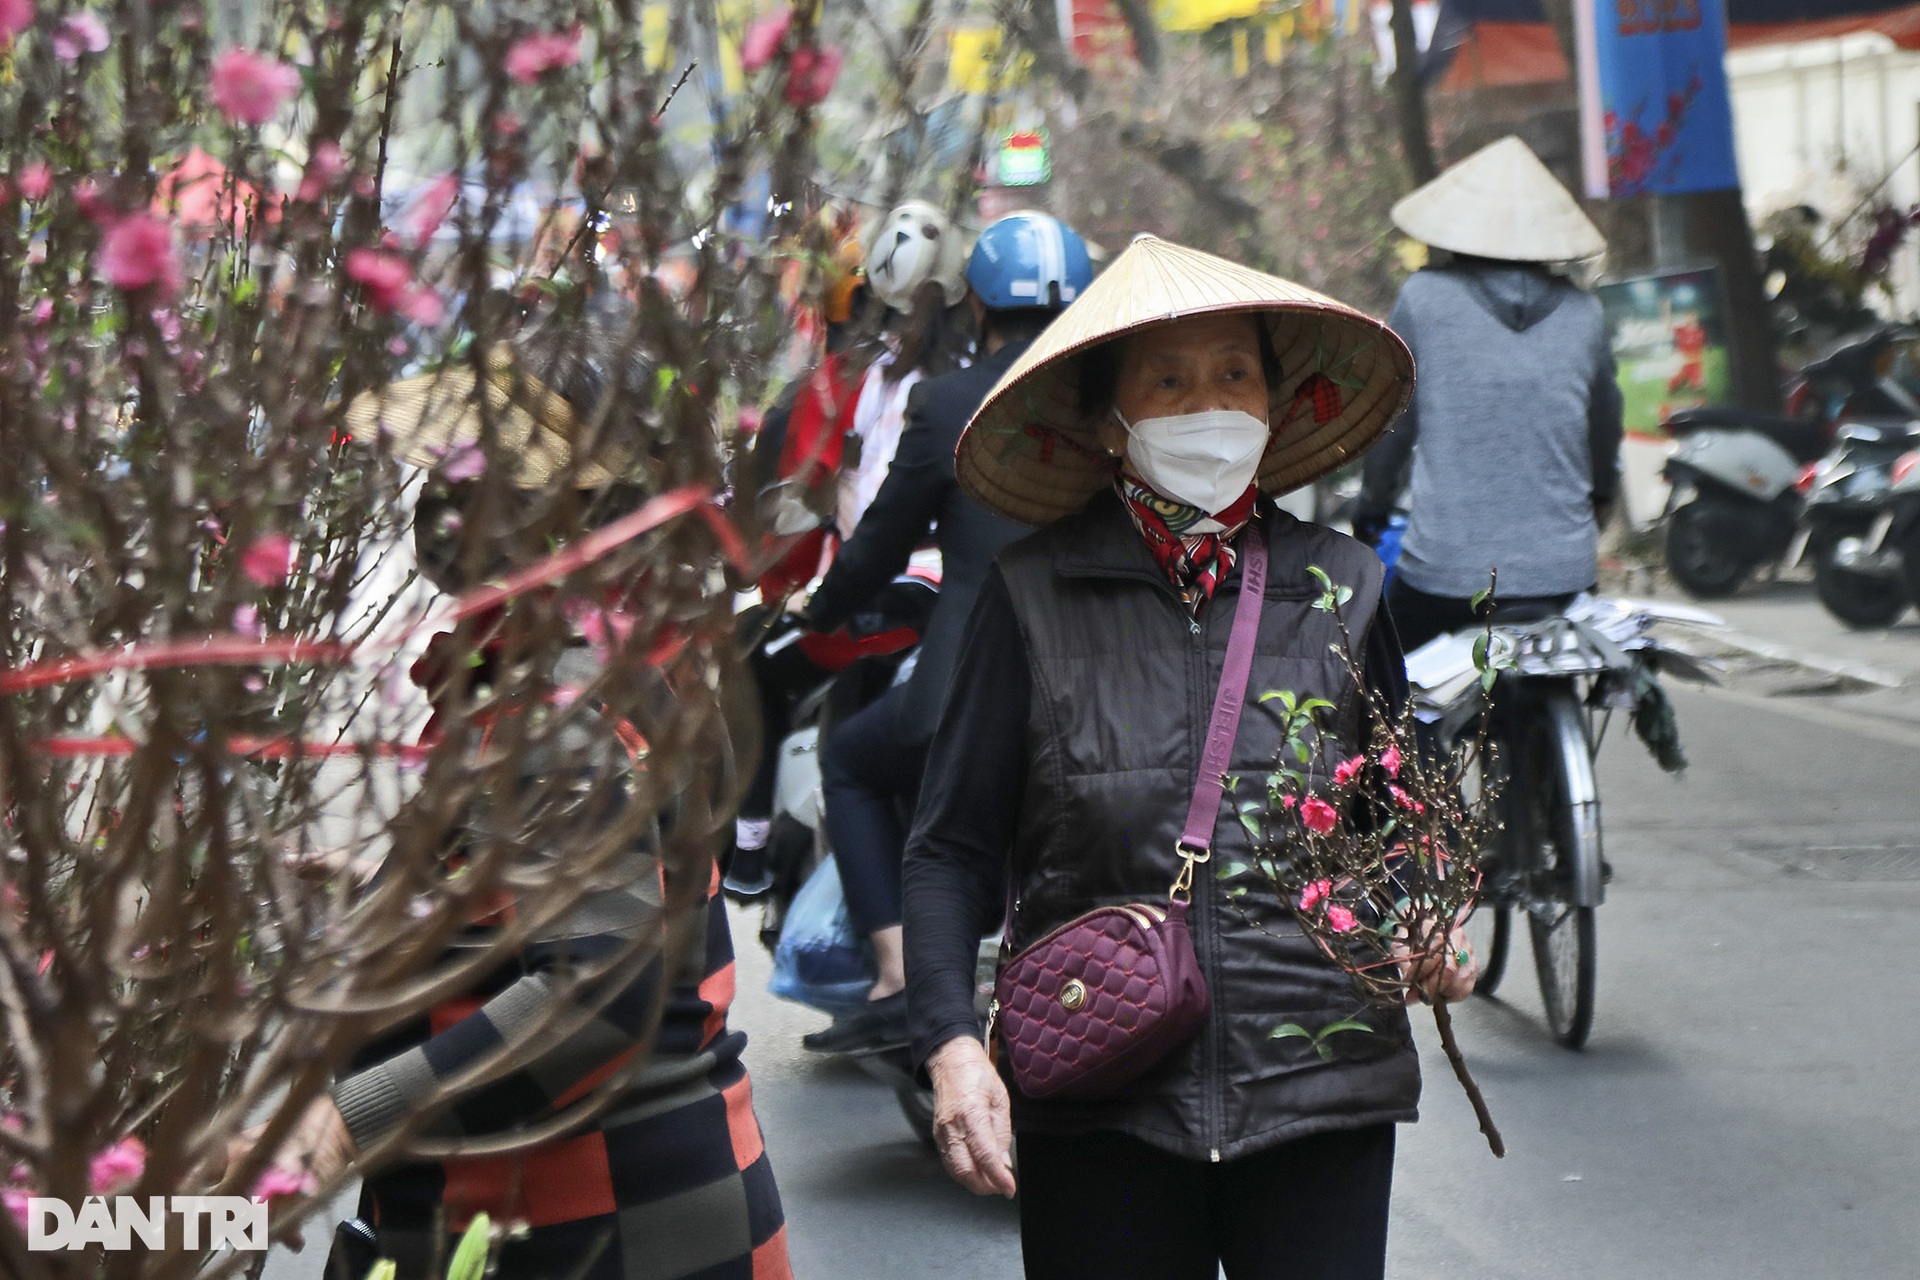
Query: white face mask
[1205, 460]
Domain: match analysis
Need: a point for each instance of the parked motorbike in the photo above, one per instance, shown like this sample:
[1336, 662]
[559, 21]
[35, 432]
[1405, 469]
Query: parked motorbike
[1739, 476]
[1857, 566]
[1901, 530]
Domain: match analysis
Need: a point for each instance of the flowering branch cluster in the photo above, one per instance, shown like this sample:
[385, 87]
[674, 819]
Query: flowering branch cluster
[1377, 853]
[224, 839]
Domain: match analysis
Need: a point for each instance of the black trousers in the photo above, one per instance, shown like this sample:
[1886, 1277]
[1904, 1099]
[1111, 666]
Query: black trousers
[869, 778]
[1419, 617]
[1108, 1205]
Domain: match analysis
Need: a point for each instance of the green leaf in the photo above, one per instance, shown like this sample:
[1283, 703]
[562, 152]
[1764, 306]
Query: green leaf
[1343, 595]
[470, 1256]
[1312, 705]
[1300, 751]
[1286, 1029]
[1324, 1049]
[1480, 651]
[1320, 575]
[1345, 1024]
[1487, 678]
[385, 1269]
[1231, 869]
[1252, 824]
[1479, 598]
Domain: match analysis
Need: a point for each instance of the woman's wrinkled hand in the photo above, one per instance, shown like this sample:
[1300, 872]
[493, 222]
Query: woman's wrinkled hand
[972, 1122]
[1447, 972]
[314, 1153]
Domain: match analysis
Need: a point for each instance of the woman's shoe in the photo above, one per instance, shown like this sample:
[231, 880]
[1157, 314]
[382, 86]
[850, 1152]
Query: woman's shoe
[879, 1024]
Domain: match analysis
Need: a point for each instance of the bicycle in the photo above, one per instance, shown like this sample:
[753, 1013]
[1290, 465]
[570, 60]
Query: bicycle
[1560, 679]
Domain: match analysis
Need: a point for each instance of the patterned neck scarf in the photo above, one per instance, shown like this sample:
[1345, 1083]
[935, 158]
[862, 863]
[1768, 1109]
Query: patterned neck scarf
[1193, 548]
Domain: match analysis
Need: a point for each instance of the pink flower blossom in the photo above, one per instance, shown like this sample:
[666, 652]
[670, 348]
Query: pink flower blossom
[1339, 919]
[1287, 802]
[1347, 770]
[277, 1182]
[465, 463]
[246, 622]
[1390, 760]
[15, 1199]
[137, 253]
[810, 75]
[385, 275]
[764, 39]
[35, 181]
[431, 208]
[268, 560]
[15, 16]
[324, 167]
[79, 33]
[1314, 892]
[117, 1168]
[1406, 801]
[533, 56]
[249, 87]
[1317, 815]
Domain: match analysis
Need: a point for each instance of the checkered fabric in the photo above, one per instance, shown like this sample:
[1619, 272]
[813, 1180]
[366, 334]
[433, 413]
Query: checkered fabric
[671, 1182]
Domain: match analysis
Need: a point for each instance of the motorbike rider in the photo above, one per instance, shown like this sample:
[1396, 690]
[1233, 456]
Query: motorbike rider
[1512, 440]
[1024, 269]
[835, 444]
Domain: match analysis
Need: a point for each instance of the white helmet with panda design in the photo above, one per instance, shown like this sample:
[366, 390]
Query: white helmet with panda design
[912, 245]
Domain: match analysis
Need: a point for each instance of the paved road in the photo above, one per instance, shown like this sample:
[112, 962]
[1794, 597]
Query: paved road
[1744, 1109]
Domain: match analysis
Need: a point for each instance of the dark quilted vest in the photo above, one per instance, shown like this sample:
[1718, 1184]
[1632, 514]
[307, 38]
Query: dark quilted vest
[1123, 685]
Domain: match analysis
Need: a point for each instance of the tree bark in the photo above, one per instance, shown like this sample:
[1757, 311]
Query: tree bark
[1415, 137]
[1717, 228]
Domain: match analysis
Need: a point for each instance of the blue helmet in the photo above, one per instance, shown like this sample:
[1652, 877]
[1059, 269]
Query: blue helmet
[1029, 260]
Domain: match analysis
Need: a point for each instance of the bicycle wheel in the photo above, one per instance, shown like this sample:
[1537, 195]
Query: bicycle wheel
[1562, 814]
[1490, 927]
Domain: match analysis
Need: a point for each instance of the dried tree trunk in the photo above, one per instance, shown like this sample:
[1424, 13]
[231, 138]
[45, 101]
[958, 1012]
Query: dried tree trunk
[1415, 137]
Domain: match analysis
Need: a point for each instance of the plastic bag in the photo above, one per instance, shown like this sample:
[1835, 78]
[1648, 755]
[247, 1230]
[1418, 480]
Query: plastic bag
[820, 961]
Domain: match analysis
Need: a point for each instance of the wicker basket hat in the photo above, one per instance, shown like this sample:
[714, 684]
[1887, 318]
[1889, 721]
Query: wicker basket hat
[1501, 202]
[427, 418]
[1031, 454]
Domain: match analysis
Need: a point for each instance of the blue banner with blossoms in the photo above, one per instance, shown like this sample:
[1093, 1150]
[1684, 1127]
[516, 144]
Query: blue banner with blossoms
[1653, 91]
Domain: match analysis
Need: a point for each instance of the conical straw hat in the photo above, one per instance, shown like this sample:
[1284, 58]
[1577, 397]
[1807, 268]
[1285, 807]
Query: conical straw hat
[1501, 202]
[424, 419]
[1344, 377]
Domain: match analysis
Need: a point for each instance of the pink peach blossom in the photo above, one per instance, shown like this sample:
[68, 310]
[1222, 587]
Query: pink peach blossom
[810, 75]
[15, 16]
[246, 622]
[117, 1168]
[79, 33]
[249, 87]
[385, 276]
[1390, 760]
[1339, 919]
[468, 462]
[324, 167]
[1314, 892]
[137, 253]
[35, 181]
[268, 560]
[276, 1182]
[533, 56]
[431, 207]
[14, 1198]
[1347, 770]
[1406, 801]
[1318, 816]
[763, 40]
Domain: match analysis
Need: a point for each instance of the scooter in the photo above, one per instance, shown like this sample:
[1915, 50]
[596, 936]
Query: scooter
[1857, 565]
[1739, 476]
[856, 667]
[1899, 526]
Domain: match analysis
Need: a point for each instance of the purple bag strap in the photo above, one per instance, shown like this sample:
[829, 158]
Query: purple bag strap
[1196, 841]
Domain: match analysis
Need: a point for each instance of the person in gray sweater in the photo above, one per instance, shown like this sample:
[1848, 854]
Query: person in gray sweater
[1508, 455]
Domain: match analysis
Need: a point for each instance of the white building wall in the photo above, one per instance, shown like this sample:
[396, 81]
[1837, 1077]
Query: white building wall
[1821, 123]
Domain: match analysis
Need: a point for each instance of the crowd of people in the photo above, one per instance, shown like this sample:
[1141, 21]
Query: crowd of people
[1093, 454]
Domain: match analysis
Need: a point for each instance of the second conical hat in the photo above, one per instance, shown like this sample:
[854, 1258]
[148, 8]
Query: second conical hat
[1030, 454]
[1501, 202]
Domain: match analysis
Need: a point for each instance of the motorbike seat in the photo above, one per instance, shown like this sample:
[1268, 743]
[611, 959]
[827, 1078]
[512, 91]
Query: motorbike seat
[1806, 441]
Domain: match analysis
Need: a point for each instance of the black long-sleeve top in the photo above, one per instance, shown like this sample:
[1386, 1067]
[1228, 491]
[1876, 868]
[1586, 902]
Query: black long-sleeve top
[970, 801]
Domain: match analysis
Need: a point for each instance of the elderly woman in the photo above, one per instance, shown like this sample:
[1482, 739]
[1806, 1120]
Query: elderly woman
[1143, 430]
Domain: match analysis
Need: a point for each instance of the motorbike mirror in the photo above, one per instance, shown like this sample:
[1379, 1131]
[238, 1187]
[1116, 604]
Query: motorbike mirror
[1905, 466]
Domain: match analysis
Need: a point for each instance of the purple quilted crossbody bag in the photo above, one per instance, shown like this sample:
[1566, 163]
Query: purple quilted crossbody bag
[1108, 994]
